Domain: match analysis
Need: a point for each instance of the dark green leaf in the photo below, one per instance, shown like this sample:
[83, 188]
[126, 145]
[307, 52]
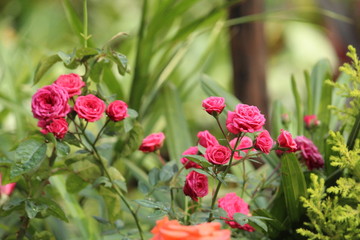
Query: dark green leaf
[143, 187]
[154, 176]
[121, 184]
[97, 70]
[101, 220]
[66, 58]
[74, 183]
[132, 142]
[150, 204]
[298, 104]
[72, 140]
[167, 172]
[293, 184]
[85, 52]
[32, 208]
[199, 160]
[260, 223]
[121, 62]
[241, 219]
[53, 208]
[112, 201]
[103, 181]
[62, 149]
[44, 66]
[29, 155]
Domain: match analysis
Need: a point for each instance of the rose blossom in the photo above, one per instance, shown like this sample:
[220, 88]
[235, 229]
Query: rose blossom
[232, 204]
[309, 153]
[71, 82]
[152, 142]
[214, 105]
[117, 110]
[218, 154]
[89, 107]
[245, 118]
[56, 126]
[264, 142]
[166, 229]
[50, 102]
[6, 189]
[206, 139]
[188, 163]
[245, 142]
[311, 121]
[285, 140]
[196, 185]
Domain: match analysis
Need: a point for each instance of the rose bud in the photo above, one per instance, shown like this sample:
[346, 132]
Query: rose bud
[152, 142]
[245, 118]
[285, 140]
[206, 139]
[71, 82]
[117, 110]
[89, 107]
[311, 121]
[56, 126]
[264, 142]
[218, 154]
[214, 105]
[196, 185]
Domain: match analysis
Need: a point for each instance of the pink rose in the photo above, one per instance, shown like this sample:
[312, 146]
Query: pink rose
[196, 185]
[6, 189]
[56, 126]
[245, 118]
[264, 142]
[245, 142]
[71, 82]
[152, 142]
[232, 204]
[309, 153]
[218, 154]
[206, 139]
[188, 163]
[117, 110]
[285, 140]
[50, 102]
[89, 107]
[214, 105]
[311, 121]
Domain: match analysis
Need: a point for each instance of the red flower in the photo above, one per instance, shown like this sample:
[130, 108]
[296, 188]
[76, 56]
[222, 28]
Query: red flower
[245, 142]
[285, 140]
[309, 153]
[152, 142]
[245, 118]
[206, 139]
[89, 107]
[218, 154]
[232, 204]
[214, 105]
[71, 82]
[311, 121]
[117, 110]
[50, 102]
[56, 126]
[264, 142]
[188, 163]
[196, 185]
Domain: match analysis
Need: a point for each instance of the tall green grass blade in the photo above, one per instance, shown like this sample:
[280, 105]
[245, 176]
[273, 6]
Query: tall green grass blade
[298, 106]
[73, 18]
[177, 132]
[276, 123]
[319, 73]
[309, 110]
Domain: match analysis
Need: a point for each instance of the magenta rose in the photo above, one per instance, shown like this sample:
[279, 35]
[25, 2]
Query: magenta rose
[188, 163]
[245, 118]
[214, 105]
[264, 142]
[117, 110]
[50, 102]
[152, 142]
[218, 154]
[89, 107]
[309, 153]
[6, 189]
[245, 142]
[311, 121]
[232, 204]
[71, 82]
[56, 126]
[206, 139]
[285, 140]
[196, 185]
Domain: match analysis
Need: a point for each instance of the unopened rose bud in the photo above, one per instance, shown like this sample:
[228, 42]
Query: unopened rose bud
[311, 122]
[285, 119]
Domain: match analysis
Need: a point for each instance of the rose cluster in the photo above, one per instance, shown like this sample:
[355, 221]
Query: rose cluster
[51, 104]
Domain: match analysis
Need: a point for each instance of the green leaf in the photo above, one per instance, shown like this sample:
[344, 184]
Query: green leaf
[72, 140]
[53, 208]
[32, 208]
[258, 222]
[74, 183]
[66, 58]
[44, 66]
[299, 116]
[199, 160]
[86, 52]
[112, 201]
[143, 187]
[28, 156]
[121, 61]
[101, 220]
[150, 204]
[62, 149]
[167, 172]
[132, 142]
[154, 176]
[241, 219]
[293, 184]
[211, 88]
[177, 132]
[97, 70]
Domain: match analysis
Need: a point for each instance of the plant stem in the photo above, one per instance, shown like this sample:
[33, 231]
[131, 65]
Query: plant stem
[85, 23]
[25, 220]
[101, 130]
[222, 130]
[224, 175]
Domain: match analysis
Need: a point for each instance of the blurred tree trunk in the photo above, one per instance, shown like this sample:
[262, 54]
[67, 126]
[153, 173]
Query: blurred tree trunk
[249, 56]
